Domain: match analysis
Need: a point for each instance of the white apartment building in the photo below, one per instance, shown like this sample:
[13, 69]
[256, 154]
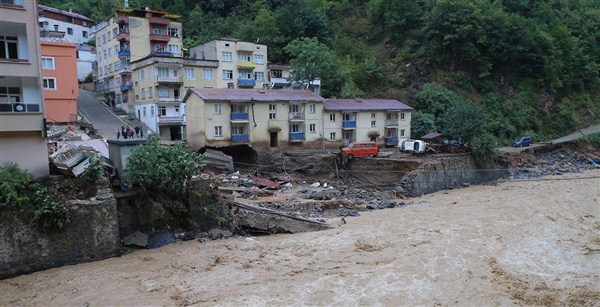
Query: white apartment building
[77, 28]
[241, 64]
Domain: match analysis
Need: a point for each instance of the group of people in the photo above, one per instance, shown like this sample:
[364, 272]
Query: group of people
[128, 132]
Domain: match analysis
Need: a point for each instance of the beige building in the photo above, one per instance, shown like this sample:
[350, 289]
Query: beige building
[157, 88]
[127, 36]
[241, 64]
[260, 118]
[384, 121]
[279, 78]
[22, 128]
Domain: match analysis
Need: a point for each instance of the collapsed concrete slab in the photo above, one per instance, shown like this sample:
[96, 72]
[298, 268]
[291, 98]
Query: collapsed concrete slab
[253, 218]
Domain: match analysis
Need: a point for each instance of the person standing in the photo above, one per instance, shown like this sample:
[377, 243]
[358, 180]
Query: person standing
[123, 132]
[137, 131]
[118, 133]
[127, 131]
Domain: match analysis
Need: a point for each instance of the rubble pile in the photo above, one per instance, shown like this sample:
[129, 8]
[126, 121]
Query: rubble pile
[556, 162]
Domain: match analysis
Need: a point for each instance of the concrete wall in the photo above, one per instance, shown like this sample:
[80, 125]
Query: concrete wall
[92, 234]
[27, 149]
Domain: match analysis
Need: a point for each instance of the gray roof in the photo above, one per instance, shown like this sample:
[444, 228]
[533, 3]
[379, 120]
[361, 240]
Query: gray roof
[365, 104]
[255, 95]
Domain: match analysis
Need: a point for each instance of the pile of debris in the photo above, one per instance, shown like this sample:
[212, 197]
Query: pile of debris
[556, 162]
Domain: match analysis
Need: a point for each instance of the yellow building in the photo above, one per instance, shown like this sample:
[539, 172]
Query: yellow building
[384, 121]
[22, 128]
[127, 36]
[158, 85]
[260, 118]
[241, 64]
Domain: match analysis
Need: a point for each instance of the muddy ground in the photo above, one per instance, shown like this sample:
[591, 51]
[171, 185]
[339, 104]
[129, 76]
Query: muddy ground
[532, 242]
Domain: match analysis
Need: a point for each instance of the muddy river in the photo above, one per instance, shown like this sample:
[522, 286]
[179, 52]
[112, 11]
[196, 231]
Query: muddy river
[532, 242]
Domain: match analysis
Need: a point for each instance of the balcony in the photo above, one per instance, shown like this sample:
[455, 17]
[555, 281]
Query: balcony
[122, 19]
[246, 82]
[172, 80]
[239, 117]
[391, 141]
[240, 138]
[21, 121]
[161, 53]
[12, 3]
[170, 99]
[296, 116]
[126, 87]
[391, 122]
[123, 36]
[20, 107]
[349, 124]
[160, 38]
[297, 136]
[123, 53]
[123, 69]
[167, 120]
[246, 64]
[159, 21]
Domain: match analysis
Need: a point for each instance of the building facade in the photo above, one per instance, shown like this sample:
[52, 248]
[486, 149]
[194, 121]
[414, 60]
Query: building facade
[280, 78]
[59, 72]
[22, 127]
[127, 36]
[157, 86]
[77, 28]
[241, 64]
[260, 118]
[384, 121]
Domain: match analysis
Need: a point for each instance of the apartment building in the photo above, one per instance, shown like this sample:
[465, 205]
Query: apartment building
[127, 36]
[59, 72]
[384, 121]
[22, 127]
[279, 78]
[260, 118]
[242, 65]
[77, 28]
[157, 87]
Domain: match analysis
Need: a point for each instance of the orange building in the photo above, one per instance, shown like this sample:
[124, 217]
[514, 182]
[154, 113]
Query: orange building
[59, 72]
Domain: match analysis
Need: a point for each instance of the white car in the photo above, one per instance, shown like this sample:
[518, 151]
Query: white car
[414, 146]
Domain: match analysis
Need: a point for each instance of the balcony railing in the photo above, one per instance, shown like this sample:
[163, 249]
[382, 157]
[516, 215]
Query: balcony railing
[391, 122]
[240, 138]
[296, 116]
[246, 82]
[297, 136]
[349, 124]
[168, 79]
[123, 53]
[159, 21]
[170, 99]
[17, 3]
[20, 107]
[170, 119]
[246, 64]
[126, 87]
[161, 53]
[123, 69]
[239, 116]
[159, 37]
[391, 140]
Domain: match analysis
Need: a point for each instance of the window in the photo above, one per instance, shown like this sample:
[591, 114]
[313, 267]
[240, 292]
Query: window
[144, 96]
[152, 111]
[50, 83]
[144, 111]
[115, 32]
[259, 59]
[373, 123]
[162, 111]
[55, 27]
[9, 47]
[69, 19]
[110, 67]
[10, 94]
[312, 128]
[163, 71]
[332, 117]
[150, 92]
[402, 115]
[226, 56]
[272, 107]
[70, 31]
[109, 52]
[245, 74]
[48, 63]
[277, 73]
[227, 74]
[150, 72]
[244, 57]
[189, 73]
[273, 116]
[159, 31]
[312, 108]
[84, 23]
[401, 132]
[173, 32]
[84, 34]
[259, 76]
[217, 109]
[373, 117]
[163, 92]
[104, 38]
[332, 136]
[237, 130]
[173, 49]
[295, 128]
[105, 55]
[141, 74]
[218, 131]
[207, 73]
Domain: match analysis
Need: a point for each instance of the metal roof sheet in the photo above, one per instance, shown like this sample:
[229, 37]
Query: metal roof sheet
[364, 104]
[256, 95]
[63, 12]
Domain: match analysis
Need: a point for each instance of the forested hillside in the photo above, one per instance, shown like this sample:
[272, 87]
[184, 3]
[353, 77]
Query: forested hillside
[495, 68]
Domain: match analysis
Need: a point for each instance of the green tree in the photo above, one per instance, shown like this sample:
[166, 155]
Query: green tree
[464, 121]
[421, 124]
[485, 150]
[435, 99]
[311, 60]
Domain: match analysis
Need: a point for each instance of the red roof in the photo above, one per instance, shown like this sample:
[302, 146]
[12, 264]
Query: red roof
[364, 104]
[255, 95]
[63, 12]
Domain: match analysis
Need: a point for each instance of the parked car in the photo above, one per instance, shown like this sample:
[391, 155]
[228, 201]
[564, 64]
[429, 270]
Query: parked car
[361, 149]
[523, 141]
[454, 143]
[414, 146]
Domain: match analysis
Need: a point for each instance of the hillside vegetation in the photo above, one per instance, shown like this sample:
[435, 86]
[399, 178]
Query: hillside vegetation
[502, 68]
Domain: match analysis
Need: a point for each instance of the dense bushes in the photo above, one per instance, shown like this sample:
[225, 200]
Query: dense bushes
[41, 207]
